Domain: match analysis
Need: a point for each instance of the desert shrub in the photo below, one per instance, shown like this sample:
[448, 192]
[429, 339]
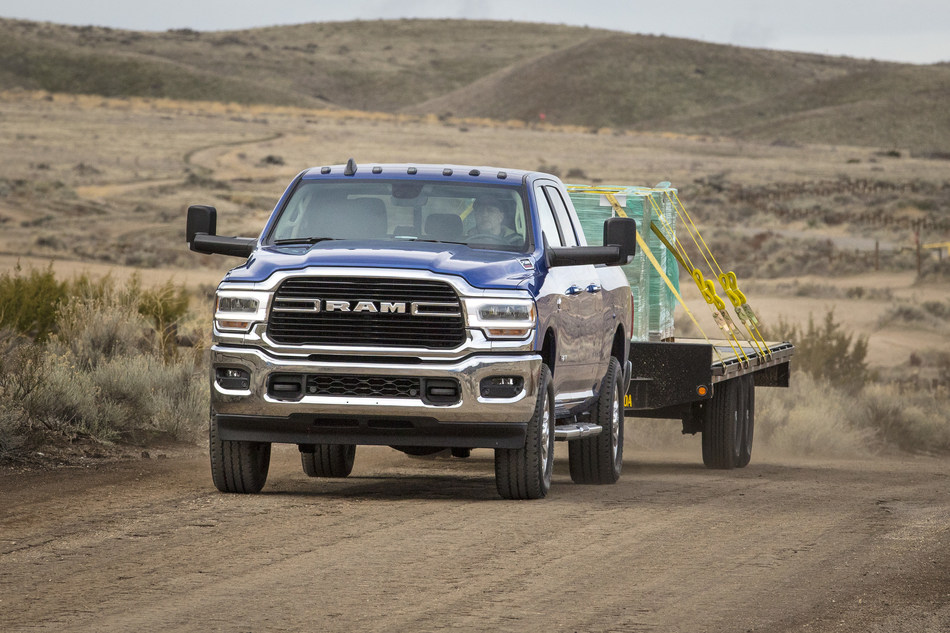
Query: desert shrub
[937, 309]
[165, 307]
[935, 270]
[809, 419]
[105, 374]
[29, 301]
[92, 332]
[827, 353]
[929, 313]
[914, 421]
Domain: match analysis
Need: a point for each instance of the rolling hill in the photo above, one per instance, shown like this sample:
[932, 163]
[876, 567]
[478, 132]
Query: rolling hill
[500, 70]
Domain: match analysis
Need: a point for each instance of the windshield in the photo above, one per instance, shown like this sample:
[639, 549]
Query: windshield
[481, 216]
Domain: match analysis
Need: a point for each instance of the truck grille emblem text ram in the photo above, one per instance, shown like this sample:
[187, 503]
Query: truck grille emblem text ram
[417, 308]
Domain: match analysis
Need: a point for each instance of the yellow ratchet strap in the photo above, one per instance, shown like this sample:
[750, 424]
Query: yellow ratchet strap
[706, 288]
[727, 280]
[659, 269]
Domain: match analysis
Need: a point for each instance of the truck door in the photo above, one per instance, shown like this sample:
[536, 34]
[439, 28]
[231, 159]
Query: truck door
[578, 303]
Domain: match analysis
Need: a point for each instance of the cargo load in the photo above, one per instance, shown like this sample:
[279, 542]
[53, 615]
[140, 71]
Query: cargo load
[653, 300]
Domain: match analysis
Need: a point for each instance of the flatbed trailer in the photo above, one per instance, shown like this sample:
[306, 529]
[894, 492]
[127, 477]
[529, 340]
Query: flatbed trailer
[710, 387]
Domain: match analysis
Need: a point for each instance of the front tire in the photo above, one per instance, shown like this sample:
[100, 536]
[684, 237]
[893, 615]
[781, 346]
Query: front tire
[239, 467]
[525, 473]
[599, 459]
[329, 460]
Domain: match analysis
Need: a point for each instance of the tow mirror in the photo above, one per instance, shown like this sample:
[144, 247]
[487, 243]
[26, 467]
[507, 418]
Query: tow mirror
[201, 233]
[622, 232]
[201, 219]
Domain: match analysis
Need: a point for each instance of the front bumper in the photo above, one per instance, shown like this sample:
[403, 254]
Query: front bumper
[473, 421]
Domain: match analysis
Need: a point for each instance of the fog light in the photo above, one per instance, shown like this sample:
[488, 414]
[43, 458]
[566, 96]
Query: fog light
[233, 379]
[501, 386]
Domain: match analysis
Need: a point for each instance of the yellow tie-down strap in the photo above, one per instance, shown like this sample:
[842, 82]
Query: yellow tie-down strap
[659, 269]
[727, 280]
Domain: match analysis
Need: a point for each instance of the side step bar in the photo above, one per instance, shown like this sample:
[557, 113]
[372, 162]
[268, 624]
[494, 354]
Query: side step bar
[576, 431]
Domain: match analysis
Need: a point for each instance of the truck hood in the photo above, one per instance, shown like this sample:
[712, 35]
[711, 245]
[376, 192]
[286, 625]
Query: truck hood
[480, 268]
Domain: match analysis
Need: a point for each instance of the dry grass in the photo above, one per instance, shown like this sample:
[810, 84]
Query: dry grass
[110, 372]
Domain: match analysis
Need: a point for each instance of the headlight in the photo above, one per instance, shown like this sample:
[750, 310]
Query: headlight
[502, 318]
[238, 310]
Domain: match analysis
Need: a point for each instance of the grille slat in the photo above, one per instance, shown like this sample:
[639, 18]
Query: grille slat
[366, 328]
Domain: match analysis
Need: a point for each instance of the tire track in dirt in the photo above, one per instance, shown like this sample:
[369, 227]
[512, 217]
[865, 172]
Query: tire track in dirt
[425, 545]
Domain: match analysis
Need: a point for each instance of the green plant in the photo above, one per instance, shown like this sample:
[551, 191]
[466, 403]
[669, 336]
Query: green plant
[827, 352]
[29, 302]
[106, 374]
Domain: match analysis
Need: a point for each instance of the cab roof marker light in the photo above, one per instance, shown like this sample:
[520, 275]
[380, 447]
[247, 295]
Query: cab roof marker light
[474, 172]
[447, 171]
[377, 169]
[412, 171]
[502, 175]
[324, 170]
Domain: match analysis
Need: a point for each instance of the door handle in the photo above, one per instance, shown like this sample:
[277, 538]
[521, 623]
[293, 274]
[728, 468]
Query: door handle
[593, 288]
[573, 290]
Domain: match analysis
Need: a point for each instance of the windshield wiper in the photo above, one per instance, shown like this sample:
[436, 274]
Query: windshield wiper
[301, 240]
[440, 241]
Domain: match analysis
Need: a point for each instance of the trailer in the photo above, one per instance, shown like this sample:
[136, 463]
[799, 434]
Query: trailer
[707, 384]
[710, 386]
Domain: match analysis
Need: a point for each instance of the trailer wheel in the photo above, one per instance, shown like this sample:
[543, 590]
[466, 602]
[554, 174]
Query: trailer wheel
[237, 466]
[525, 473]
[721, 435]
[329, 460]
[746, 420]
[599, 459]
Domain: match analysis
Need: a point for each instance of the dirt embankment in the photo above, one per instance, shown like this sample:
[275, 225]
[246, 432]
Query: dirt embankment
[425, 545]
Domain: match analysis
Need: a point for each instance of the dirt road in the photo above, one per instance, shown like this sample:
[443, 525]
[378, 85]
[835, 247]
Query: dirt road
[425, 545]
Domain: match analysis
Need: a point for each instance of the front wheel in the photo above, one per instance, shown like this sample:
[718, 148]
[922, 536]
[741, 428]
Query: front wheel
[237, 466]
[328, 460]
[525, 473]
[599, 459]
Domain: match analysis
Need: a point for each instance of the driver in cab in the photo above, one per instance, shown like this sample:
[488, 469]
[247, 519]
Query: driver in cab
[490, 224]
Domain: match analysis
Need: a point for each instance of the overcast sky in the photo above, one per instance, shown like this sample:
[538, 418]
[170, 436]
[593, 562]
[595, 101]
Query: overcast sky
[916, 31]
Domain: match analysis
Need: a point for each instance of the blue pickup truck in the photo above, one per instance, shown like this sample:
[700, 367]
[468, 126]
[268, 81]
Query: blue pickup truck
[434, 307]
[425, 308]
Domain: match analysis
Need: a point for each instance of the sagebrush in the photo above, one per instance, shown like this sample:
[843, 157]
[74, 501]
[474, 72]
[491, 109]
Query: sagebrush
[108, 368]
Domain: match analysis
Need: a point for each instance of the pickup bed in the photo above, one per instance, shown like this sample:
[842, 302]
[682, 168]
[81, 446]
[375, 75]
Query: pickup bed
[433, 307]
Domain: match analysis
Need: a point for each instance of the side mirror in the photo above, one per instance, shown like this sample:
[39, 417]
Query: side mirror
[622, 232]
[202, 238]
[201, 219]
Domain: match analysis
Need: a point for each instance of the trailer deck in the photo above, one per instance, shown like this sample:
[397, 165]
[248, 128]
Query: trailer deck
[669, 377]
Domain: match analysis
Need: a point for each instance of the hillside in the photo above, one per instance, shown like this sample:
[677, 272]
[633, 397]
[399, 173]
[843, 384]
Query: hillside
[500, 70]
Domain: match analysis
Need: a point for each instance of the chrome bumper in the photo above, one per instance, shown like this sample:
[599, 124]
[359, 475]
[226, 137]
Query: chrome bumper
[365, 420]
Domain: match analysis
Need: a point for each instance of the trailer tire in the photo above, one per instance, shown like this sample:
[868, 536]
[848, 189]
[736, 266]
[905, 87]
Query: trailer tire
[599, 459]
[237, 466]
[525, 473]
[746, 421]
[721, 436]
[329, 460]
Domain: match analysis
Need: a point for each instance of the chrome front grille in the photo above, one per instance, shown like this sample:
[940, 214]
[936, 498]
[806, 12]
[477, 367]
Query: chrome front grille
[366, 312]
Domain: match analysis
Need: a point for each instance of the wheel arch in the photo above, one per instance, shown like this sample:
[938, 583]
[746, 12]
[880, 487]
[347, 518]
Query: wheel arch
[620, 347]
[549, 350]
